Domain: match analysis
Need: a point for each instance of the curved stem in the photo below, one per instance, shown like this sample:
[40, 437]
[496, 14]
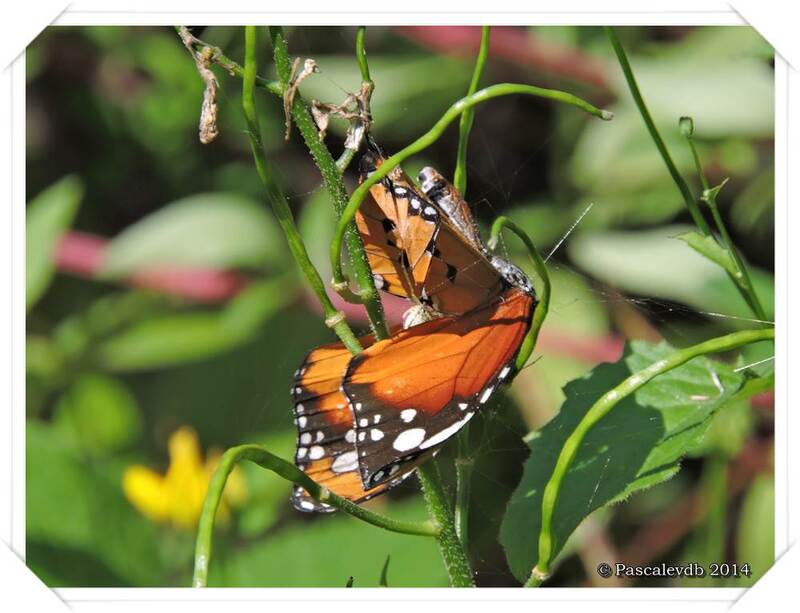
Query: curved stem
[332, 177]
[529, 342]
[688, 198]
[280, 207]
[494, 91]
[290, 472]
[465, 123]
[455, 559]
[600, 409]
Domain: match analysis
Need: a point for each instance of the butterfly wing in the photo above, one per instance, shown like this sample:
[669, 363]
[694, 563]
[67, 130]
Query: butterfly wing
[326, 449]
[398, 227]
[417, 251]
[412, 392]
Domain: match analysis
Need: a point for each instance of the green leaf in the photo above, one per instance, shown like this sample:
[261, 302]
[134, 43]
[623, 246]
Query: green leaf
[100, 413]
[214, 229]
[638, 444]
[755, 542]
[709, 247]
[651, 263]
[80, 530]
[322, 552]
[47, 217]
[706, 543]
[168, 340]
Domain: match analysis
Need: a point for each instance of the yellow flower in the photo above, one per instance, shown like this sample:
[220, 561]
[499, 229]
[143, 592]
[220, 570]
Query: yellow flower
[177, 496]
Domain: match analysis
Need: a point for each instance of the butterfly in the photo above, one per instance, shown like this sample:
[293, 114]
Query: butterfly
[425, 246]
[366, 422]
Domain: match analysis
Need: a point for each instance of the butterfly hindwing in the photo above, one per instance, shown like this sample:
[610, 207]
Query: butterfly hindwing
[326, 449]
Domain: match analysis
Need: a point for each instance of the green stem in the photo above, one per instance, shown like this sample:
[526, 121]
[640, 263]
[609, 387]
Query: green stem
[464, 465]
[455, 559]
[463, 461]
[290, 472]
[529, 342]
[280, 207]
[465, 123]
[361, 54]
[427, 139]
[600, 409]
[332, 177]
[742, 278]
[688, 198]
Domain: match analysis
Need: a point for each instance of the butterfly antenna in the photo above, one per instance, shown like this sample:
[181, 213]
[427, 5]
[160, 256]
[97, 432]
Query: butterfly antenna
[571, 228]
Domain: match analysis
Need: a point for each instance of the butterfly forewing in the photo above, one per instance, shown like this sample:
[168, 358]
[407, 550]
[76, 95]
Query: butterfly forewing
[417, 251]
[398, 227]
[413, 392]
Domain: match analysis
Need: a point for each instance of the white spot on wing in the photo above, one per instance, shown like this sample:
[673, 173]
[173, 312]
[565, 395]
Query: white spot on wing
[408, 414]
[445, 434]
[345, 463]
[486, 394]
[305, 438]
[375, 434]
[350, 437]
[316, 452]
[408, 439]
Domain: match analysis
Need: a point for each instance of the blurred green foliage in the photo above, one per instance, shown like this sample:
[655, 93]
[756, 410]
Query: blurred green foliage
[113, 370]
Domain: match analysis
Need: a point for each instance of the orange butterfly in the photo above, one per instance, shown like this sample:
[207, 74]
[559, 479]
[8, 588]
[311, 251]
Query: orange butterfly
[366, 422]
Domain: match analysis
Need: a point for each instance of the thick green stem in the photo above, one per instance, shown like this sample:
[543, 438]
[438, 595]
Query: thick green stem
[290, 472]
[464, 465]
[742, 277]
[455, 559]
[427, 139]
[280, 207]
[332, 177]
[600, 409]
[688, 198]
[464, 462]
[465, 123]
[543, 306]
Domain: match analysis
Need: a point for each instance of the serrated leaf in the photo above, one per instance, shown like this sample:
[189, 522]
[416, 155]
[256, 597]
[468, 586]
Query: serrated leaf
[214, 229]
[708, 247]
[47, 217]
[637, 445]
